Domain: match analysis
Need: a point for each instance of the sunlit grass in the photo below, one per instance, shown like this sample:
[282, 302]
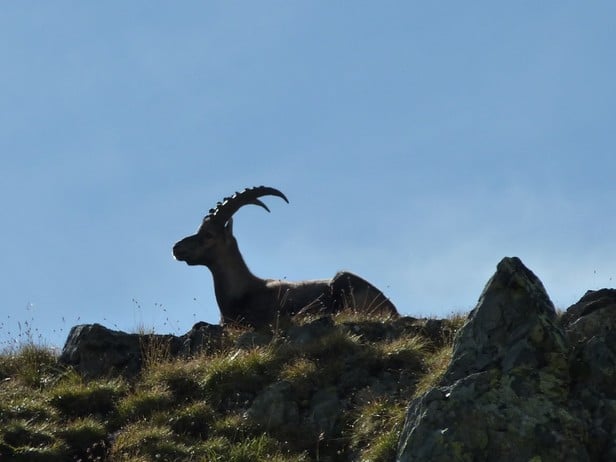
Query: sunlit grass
[196, 408]
[376, 429]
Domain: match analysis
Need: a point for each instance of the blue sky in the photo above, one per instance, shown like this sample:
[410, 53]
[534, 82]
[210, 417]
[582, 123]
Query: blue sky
[418, 143]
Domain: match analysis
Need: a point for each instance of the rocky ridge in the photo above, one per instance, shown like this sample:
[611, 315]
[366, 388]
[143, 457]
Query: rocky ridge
[523, 384]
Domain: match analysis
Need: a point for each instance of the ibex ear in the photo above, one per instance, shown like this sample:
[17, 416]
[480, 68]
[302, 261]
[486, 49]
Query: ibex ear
[229, 227]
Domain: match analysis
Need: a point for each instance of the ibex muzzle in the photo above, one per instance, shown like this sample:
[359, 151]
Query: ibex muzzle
[243, 297]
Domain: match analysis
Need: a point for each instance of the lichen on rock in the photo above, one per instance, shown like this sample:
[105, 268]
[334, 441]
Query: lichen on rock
[507, 392]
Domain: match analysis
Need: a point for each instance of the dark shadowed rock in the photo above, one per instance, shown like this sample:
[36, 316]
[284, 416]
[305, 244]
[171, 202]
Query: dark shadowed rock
[252, 339]
[325, 409]
[594, 314]
[306, 333]
[275, 408]
[96, 351]
[590, 326]
[202, 337]
[505, 395]
[436, 331]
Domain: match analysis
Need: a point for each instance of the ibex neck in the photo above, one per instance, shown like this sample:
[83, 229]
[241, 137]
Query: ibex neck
[232, 280]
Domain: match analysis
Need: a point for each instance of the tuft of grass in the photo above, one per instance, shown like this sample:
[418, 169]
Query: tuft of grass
[455, 320]
[19, 402]
[239, 376]
[404, 353]
[232, 333]
[30, 364]
[181, 377]
[383, 448]
[24, 434]
[145, 441]
[343, 360]
[154, 349]
[86, 439]
[350, 315]
[375, 431]
[334, 345]
[143, 403]
[74, 398]
[195, 420]
[261, 447]
[57, 452]
[436, 365]
[298, 369]
[234, 427]
[214, 449]
[304, 376]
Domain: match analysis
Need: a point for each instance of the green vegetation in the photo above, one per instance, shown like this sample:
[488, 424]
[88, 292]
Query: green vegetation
[340, 394]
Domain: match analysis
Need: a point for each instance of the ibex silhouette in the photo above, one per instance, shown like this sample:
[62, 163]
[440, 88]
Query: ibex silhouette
[245, 298]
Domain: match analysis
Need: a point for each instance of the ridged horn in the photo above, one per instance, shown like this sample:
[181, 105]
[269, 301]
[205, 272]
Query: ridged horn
[224, 210]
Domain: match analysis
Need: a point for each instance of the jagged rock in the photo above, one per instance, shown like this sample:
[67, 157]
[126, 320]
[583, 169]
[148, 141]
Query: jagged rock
[590, 325]
[253, 339]
[96, 351]
[594, 314]
[202, 337]
[505, 395]
[276, 409]
[513, 325]
[325, 410]
[306, 333]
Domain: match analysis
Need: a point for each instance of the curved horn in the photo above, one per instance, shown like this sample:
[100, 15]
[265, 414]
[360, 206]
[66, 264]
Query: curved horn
[224, 210]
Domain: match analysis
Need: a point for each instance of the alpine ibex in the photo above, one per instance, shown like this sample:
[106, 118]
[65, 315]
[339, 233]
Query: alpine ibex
[242, 297]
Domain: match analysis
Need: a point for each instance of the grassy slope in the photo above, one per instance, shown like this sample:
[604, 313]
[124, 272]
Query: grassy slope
[196, 409]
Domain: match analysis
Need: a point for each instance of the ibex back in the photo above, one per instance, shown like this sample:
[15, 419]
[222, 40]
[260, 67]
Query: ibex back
[245, 298]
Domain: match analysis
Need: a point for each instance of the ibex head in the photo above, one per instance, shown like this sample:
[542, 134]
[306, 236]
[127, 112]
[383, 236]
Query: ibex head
[215, 234]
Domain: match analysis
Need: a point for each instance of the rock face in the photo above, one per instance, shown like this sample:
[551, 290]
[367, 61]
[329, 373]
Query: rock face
[95, 351]
[593, 315]
[590, 326]
[519, 386]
